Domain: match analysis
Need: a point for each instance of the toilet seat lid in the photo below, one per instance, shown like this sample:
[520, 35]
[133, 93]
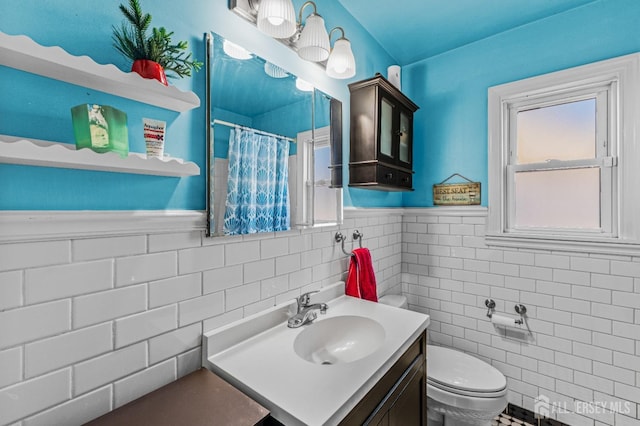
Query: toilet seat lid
[396, 300]
[457, 370]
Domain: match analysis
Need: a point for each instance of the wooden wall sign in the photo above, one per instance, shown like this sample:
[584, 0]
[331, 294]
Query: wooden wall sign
[456, 194]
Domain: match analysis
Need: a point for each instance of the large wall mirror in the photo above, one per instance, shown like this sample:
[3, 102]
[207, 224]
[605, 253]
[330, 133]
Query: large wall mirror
[274, 146]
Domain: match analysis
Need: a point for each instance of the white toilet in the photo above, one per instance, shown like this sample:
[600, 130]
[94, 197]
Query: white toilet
[461, 390]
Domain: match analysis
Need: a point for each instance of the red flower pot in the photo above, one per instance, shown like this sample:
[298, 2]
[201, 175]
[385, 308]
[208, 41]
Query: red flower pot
[149, 69]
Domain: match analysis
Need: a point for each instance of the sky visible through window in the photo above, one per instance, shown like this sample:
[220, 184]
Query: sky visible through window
[567, 198]
[559, 132]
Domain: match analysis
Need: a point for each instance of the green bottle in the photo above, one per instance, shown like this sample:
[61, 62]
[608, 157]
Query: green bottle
[100, 128]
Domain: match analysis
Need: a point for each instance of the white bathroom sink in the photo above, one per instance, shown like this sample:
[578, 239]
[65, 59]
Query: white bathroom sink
[281, 367]
[339, 339]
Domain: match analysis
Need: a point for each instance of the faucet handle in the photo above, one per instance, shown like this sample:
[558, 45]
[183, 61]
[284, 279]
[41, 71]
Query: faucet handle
[305, 298]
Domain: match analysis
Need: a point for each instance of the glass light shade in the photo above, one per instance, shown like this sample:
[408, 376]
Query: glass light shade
[274, 71]
[341, 63]
[277, 18]
[303, 85]
[236, 51]
[313, 44]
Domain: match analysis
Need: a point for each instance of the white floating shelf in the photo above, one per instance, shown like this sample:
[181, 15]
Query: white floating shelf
[21, 52]
[53, 154]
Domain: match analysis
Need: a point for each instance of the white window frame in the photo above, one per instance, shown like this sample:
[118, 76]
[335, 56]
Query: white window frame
[616, 79]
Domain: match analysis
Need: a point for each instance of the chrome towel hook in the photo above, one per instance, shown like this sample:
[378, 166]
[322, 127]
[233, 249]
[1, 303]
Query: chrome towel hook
[357, 235]
[339, 238]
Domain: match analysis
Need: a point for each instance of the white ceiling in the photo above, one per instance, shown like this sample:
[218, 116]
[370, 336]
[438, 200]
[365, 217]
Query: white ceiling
[411, 30]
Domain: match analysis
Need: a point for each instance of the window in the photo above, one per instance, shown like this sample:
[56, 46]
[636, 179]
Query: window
[314, 161]
[563, 162]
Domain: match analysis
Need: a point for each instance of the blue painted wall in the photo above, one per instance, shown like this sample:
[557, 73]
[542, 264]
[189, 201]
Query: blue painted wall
[37, 107]
[451, 88]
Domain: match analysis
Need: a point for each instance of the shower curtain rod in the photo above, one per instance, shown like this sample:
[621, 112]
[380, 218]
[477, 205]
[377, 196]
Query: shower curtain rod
[229, 124]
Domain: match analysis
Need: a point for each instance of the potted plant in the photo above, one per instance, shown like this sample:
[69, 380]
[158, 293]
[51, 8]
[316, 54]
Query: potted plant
[152, 55]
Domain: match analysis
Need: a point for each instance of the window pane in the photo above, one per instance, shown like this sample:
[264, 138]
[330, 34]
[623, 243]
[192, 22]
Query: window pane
[559, 132]
[386, 127]
[322, 161]
[558, 198]
[325, 205]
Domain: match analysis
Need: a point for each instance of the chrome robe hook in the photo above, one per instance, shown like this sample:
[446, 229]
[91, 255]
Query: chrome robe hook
[357, 235]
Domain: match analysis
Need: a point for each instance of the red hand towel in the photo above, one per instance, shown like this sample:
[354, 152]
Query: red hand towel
[361, 280]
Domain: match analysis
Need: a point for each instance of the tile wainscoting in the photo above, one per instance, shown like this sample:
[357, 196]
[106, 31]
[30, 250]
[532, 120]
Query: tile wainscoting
[582, 356]
[99, 308]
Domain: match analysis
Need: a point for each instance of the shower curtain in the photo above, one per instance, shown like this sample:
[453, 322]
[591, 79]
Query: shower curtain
[257, 190]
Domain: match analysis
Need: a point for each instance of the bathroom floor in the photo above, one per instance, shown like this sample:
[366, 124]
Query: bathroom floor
[506, 419]
[516, 416]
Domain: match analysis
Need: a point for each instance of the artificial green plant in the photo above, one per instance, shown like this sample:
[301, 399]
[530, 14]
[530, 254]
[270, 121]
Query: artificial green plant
[133, 41]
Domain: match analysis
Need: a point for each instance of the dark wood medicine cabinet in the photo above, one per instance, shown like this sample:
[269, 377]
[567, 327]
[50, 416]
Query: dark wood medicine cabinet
[381, 148]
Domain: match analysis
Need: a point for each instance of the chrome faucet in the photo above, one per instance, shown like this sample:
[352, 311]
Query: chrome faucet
[306, 312]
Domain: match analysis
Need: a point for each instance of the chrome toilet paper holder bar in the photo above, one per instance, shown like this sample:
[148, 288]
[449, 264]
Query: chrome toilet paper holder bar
[519, 308]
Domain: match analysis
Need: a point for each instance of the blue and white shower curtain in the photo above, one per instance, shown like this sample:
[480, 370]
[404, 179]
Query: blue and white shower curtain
[257, 190]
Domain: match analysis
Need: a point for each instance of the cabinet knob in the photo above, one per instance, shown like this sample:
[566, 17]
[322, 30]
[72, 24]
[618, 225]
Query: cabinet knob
[405, 179]
[389, 176]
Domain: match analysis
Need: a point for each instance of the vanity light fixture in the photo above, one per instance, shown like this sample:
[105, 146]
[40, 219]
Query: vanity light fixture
[341, 63]
[309, 38]
[236, 51]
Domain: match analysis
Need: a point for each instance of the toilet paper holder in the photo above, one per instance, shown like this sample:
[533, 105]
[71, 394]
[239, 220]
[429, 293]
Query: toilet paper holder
[519, 308]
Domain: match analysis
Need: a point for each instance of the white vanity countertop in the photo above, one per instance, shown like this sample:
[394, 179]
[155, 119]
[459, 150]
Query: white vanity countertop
[265, 366]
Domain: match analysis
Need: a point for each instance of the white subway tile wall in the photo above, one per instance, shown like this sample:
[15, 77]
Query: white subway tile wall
[88, 324]
[583, 351]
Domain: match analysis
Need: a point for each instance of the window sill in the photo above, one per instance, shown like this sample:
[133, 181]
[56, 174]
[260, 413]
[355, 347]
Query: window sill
[610, 246]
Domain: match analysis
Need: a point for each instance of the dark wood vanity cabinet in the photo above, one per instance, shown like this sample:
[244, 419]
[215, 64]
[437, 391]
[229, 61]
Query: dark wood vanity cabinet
[400, 397]
[381, 148]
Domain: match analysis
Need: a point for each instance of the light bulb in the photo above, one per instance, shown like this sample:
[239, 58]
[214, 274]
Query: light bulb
[340, 67]
[275, 20]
